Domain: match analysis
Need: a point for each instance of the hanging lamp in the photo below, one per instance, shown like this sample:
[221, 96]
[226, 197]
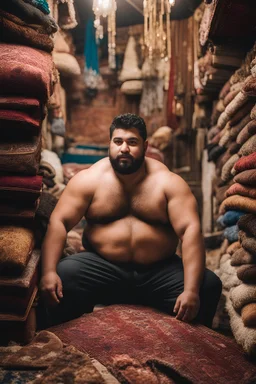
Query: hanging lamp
[106, 8]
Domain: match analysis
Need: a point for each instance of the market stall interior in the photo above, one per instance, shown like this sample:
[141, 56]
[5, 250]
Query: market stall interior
[67, 69]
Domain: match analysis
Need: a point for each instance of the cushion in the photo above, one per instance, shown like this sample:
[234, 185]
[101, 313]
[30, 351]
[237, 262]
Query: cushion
[132, 87]
[66, 64]
[21, 157]
[26, 188]
[16, 245]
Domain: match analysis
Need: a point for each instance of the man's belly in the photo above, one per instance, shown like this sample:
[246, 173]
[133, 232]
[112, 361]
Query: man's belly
[130, 239]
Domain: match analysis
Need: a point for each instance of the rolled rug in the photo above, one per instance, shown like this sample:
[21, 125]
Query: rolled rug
[247, 273]
[232, 149]
[248, 314]
[242, 295]
[253, 112]
[232, 248]
[230, 96]
[244, 336]
[246, 177]
[227, 167]
[248, 223]
[242, 190]
[249, 86]
[232, 108]
[237, 202]
[241, 257]
[235, 129]
[248, 242]
[245, 163]
[231, 233]
[215, 152]
[249, 147]
[248, 131]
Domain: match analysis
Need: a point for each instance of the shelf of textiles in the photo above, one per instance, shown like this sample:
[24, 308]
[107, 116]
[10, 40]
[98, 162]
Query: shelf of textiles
[26, 81]
[232, 147]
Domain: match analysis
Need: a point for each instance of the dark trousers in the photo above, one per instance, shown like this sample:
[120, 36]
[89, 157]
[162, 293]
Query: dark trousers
[88, 279]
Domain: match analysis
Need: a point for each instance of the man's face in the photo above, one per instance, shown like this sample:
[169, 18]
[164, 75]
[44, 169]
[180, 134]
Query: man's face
[127, 150]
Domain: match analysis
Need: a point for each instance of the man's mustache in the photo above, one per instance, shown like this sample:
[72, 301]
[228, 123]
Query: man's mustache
[124, 157]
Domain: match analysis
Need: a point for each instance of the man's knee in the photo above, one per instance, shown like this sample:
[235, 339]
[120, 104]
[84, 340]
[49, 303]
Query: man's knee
[212, 285]
[68, 270]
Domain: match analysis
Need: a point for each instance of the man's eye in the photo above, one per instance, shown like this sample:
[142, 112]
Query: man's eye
[118, 142]
[133, 143]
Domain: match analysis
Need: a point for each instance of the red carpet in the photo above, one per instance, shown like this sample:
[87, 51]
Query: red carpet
[176, 352]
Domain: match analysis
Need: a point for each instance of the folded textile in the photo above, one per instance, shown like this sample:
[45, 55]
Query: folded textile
[213, 131]
[32, 107]
[225, 90]
[13, 305]
[232, 248]
[235, 110]
[248, 242]
[20, 22]
[246, 162]
[231, 150]
[241, 256]
[17, 211]
[42, 217]
[230, 218]
[240, 189]
[20, 187]
[248, 224]
[237, 202]
[66, 64]
[246, 177]
[248, 131]
[249, 86]
[13, 123]
[215, 152]
[16, 245]
[247, 273]
[20, 285]
[26, 70]
[21, 157]
[230, 96]
[249, 147]
[237, 128]
[243, 294]
[248, 314]
[40, 4]
[244, 336]
[253, 112]
[30, 14]
[231, 233]
[227, 167]
[17, 34]
[227, 273]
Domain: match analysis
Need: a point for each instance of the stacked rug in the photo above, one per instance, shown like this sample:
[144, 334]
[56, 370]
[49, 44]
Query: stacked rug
[232, 146]
[27, 75]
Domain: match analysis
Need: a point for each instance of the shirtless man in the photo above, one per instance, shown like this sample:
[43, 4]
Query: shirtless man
[136, 210]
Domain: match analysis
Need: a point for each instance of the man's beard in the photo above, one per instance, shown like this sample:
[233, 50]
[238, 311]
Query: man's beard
[126, 167]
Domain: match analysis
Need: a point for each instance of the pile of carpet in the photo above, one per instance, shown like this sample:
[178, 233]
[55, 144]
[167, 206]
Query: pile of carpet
[27, 76]
[232, 147]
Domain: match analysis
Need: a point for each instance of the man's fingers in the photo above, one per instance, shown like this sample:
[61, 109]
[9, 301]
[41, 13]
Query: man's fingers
[177, 306]
[187, 316]
[59, 290]
[54, 298]
[181, 313]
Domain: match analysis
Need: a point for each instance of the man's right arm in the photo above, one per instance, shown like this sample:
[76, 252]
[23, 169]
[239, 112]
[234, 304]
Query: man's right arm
[70, 208]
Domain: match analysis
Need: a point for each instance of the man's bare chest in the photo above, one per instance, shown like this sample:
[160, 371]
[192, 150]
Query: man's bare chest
[147, 203]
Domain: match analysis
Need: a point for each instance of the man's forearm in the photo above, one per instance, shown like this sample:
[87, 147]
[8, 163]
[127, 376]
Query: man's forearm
[193, 257]
[53, 246]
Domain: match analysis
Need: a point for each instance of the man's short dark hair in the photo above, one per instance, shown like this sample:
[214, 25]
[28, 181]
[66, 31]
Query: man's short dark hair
[128, 121]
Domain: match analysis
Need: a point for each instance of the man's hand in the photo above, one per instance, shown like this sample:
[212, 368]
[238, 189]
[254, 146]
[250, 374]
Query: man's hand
[187, 306]
[51, 288]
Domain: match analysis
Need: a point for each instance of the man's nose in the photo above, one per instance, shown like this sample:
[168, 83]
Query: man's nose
[125, 147]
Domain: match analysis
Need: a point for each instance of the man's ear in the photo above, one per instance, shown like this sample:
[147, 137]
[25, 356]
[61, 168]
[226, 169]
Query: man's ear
[145, 145]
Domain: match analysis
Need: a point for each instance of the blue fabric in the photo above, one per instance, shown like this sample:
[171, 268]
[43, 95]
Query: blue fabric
[91, 49]
[40, 4]
[232, 217]
[231, 233]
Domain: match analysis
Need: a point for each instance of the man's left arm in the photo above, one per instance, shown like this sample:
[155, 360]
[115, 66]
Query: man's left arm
[183, 214]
